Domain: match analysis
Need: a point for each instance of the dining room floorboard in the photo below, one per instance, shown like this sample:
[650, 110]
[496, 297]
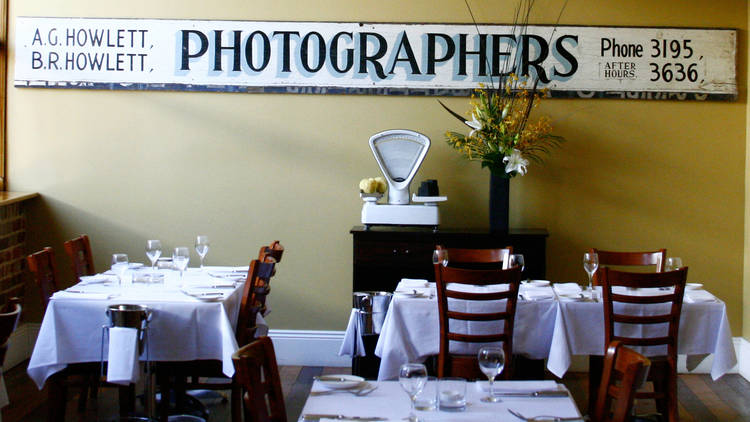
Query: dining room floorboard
[700, 398]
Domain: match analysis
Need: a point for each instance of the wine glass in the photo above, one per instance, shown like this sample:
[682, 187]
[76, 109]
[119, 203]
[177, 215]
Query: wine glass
[180, 258]
[153, 252]
[673, 263]
[440, 256]
[412, 377]
[516, 260]
[590, 264]
[201, 247]
[491, 362]
[119, 265]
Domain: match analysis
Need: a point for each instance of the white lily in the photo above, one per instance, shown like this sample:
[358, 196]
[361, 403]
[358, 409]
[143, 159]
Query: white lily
[475, 124]
[515, 162]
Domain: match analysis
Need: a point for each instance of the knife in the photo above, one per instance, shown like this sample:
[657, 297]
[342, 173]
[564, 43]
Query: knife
[541, 393]
[315, 417]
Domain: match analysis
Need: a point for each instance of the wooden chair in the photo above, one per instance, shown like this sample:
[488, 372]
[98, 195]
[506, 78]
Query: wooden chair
[629, 259]
[466, 365]
[275, 250]
[272, 253]
[183, 376]
[81, 259]
[82, 375]
[624, 372]
[478, 258]
[44, 272]
[258, 373]
[663, 372]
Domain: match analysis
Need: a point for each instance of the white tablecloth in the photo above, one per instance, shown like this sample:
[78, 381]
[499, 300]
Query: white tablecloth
[390, 401]
[411, 331]
[704, 329]
[182, 328]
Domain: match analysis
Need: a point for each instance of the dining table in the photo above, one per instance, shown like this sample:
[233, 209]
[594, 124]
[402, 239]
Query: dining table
[389, 402]
[554, 321]
[193, 317]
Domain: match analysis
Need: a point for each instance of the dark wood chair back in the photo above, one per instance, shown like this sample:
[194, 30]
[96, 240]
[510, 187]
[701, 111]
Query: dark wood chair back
[624, 372]
[275, 251]
[619, 314]
[258, 373]
[478, 258]
[9, 316]
[81, 259]
[257, 287]
[44, 271]
[501, 320]
[629, 259]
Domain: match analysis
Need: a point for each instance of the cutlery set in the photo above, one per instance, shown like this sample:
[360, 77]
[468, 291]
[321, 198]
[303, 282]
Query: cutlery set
[545, 418]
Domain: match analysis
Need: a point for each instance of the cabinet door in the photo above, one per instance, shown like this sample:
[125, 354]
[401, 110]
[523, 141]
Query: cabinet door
[380, 265]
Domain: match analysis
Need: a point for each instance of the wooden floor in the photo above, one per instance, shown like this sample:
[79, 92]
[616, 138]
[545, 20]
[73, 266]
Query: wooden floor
[701, 400]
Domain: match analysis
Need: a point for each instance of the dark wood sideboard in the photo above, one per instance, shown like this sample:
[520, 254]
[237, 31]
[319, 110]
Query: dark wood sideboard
[383, 255]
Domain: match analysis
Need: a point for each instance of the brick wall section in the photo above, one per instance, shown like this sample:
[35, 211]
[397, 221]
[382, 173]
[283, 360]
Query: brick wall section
[12, 250]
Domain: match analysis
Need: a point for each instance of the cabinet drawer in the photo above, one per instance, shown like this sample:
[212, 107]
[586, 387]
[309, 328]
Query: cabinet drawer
[390, 253]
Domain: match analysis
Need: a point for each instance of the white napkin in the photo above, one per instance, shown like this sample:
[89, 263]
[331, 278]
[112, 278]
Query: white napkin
[422, 291]
[567, 288]
[413, 282]
[62, 294]
[225, 281]
[351, 335]
[697, 296]
[96, 279]
[537, 293]
[122, 367]
[517, 386]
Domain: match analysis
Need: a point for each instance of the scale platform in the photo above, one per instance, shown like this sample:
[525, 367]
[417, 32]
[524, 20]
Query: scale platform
[424, 214]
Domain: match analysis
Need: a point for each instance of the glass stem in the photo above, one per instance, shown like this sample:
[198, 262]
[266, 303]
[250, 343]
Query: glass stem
[492, 382]
[413, 414]
[590, 286]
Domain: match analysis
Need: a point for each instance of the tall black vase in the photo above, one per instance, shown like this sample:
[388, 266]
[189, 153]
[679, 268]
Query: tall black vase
[499, 199]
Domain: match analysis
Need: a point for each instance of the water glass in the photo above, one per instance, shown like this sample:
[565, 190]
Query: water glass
[590, 265]
[452, 396]
[201, 247]
[427, 398]
[491, 363]
[412, 377]
[153, 252]
[119, 265]
[673, 263]
[440, 256]
[181, 258]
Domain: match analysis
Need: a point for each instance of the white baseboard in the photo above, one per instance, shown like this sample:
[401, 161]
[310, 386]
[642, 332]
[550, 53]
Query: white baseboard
[743, 357]
[309, 348]
[21, 343]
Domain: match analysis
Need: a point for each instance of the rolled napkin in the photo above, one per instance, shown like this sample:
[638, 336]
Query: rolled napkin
[698, 296]
[413, 282]
[80, 294]
[517, 386]
[96, 279]
[122, 366]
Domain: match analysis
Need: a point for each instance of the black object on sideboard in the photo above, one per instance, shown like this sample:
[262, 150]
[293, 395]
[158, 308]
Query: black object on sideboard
[383, 255]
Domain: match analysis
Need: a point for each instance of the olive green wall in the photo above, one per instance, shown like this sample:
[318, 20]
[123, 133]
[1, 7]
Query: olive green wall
[247, 169]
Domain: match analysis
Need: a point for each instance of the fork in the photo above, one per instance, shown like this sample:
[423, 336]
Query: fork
[544, 418]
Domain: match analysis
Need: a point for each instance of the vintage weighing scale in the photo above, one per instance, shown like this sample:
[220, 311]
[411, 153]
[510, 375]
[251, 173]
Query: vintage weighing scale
[399, 154]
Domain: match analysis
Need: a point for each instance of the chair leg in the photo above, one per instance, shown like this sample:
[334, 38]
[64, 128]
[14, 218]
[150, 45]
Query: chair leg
[126, 395]
[57, 397]
[84, 394]
[596, 365]
[236, 402]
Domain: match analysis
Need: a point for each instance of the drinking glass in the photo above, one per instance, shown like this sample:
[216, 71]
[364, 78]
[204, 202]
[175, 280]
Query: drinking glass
[440, 256]
[673, 263]
[153, 252]
[516, 260]
[180, 258]
[201, 247]
[119, 265]
[590, 264]
[491, 362]
[412, 377]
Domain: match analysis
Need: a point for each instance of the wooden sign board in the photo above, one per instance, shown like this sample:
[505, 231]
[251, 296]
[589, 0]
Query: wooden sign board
[365, 58]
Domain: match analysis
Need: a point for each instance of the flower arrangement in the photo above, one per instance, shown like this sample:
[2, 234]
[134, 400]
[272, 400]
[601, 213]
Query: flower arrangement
[504, 138]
